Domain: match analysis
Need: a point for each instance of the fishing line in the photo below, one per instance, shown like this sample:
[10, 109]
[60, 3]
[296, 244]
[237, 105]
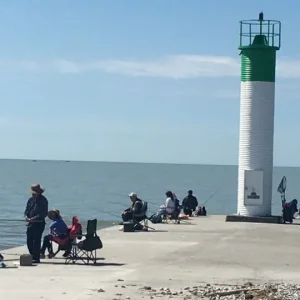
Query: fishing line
[211, 196]
[112, 214]
[123, 195]
[128, 205]
[117, 203]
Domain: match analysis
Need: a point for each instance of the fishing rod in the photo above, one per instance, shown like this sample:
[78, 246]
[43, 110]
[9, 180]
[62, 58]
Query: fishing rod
[211, 196]
[19, 220]
[158, 205]
[124, 205]
[119, 203]
[11, 220]
[122, 195]
[112, 214]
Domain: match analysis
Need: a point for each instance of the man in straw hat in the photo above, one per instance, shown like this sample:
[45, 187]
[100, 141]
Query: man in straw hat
[35, 213]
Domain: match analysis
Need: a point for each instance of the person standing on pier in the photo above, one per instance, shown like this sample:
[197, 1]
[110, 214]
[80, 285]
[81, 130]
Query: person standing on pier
[35, 213]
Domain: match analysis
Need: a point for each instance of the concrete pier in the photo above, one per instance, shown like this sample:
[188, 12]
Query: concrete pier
[208, 249]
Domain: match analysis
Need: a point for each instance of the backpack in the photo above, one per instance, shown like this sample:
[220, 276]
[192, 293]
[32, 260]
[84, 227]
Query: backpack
[155, 219]
[177, 204]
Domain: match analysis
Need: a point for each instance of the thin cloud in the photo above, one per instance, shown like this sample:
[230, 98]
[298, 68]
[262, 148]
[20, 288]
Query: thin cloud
[174, 67]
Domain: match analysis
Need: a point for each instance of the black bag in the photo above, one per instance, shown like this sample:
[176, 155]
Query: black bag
[91, 244]
[155, 219]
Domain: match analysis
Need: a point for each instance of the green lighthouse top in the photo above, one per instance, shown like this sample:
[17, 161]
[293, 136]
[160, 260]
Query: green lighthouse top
[260, 34]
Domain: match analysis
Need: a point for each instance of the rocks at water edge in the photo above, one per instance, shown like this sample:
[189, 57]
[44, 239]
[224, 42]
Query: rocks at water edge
[247, 291]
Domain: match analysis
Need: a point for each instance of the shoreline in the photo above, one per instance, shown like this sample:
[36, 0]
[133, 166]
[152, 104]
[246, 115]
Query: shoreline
[175, 260]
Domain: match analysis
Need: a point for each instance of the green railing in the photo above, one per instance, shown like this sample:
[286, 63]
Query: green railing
[270, 29]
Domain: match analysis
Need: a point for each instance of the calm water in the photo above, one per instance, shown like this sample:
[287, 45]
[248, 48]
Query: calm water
[90, 189]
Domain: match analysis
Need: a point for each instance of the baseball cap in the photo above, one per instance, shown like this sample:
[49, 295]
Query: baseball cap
[132, 195]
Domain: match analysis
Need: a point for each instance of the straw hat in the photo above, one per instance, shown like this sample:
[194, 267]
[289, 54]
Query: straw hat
[54, 213]
[37, 189]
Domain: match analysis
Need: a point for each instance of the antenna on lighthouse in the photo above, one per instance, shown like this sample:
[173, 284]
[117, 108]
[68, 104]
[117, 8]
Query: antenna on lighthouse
[261, 19]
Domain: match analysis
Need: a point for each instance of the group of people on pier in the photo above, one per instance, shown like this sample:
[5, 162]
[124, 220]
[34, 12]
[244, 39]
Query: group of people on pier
[171, 207]
[36, 212]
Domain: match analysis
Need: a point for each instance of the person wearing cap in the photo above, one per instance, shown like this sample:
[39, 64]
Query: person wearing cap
[35, 213]
[135, 208]
[189, 203]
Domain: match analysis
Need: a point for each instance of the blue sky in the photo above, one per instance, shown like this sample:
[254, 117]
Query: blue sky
[145, 81]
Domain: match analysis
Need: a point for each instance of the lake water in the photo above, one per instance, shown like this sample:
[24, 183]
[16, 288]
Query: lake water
[99, 190]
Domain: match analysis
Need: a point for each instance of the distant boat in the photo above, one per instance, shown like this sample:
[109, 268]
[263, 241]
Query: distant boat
[67, 161]
[34, 160]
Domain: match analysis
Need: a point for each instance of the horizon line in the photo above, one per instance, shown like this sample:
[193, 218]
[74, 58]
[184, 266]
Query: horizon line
[135, 162]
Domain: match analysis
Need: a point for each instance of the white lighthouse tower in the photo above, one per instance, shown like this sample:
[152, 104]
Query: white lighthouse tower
[259, 41]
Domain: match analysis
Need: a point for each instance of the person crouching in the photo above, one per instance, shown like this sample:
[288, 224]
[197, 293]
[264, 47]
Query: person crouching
[288, 211]
[58, 233]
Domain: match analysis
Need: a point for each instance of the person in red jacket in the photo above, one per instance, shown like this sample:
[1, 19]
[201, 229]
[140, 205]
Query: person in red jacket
[75, 231]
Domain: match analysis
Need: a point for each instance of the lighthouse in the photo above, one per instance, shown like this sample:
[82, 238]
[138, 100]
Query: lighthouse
[259, 42]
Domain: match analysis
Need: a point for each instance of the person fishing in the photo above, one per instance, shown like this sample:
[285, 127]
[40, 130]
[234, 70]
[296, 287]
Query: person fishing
[288, 210]
[166, 209]
[58, 233]
[189, 203]
[35, 213]
[134, 209]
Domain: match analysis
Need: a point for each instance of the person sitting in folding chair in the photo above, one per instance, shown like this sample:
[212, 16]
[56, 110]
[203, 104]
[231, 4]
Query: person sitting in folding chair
[74, 232]
[134, 211]
[166, 209]
[86, 250]
[58, 233]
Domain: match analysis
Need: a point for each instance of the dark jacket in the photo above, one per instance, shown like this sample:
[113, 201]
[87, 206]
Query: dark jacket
[289, 209]
[136, 206]
[190, 202]
[37, 208]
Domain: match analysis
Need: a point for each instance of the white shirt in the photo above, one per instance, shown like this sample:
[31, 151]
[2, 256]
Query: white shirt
[170, 205]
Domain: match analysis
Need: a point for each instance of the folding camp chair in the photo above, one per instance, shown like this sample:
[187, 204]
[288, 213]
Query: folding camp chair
[141, 219]
[174, 216]
[86, 250]
[74, 232]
